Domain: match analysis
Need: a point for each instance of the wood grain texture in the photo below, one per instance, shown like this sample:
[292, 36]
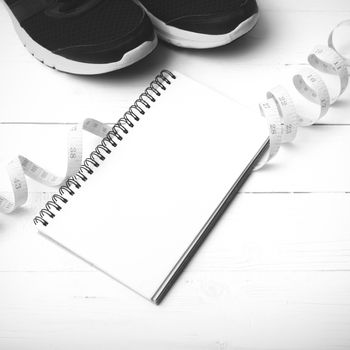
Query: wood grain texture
[274, 274]
[248, 288]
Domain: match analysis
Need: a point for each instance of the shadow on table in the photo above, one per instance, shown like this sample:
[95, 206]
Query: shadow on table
[341, 103]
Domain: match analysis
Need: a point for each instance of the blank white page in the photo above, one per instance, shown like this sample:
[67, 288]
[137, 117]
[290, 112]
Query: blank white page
[141, 209]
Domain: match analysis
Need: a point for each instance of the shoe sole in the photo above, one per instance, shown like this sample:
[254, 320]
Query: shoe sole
[193, 40]
[66, 65]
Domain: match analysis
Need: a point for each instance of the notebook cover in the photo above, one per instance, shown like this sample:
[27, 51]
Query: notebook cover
[145, 210]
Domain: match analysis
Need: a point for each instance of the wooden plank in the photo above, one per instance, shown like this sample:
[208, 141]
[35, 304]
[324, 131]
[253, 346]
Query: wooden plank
[248, 84]
[287, 233]
[315, 162]
[245, 84]
[277, 271]
[282, 311]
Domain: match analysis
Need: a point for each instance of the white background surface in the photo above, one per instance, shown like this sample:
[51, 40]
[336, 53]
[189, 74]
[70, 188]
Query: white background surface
[274, 274]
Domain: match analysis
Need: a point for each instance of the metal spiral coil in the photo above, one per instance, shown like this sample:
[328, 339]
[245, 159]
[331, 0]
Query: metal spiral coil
[105, 147]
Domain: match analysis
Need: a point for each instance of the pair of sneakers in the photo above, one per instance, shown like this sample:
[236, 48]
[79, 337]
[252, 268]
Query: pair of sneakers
[99, 36]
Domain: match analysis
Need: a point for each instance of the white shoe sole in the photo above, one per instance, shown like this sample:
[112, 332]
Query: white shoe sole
[184, 38]
[75, 67]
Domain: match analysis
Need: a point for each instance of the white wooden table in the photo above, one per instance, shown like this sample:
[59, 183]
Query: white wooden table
[275, 272]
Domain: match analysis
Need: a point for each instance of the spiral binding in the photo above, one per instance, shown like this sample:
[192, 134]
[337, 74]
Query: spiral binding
[74, 183]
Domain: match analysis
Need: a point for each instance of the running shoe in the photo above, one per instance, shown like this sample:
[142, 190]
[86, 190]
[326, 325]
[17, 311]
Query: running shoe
[83, 36]
[201, 24]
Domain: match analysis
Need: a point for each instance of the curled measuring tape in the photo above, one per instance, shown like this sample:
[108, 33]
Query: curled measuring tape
[21, 166]
[280, 111]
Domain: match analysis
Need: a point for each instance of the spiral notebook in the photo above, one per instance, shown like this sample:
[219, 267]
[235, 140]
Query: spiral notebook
[172, 165]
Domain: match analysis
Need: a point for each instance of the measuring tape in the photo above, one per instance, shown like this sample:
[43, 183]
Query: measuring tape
[21, 166]
[279, 111]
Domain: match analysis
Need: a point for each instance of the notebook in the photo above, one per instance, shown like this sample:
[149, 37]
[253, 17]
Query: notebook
[176, 160]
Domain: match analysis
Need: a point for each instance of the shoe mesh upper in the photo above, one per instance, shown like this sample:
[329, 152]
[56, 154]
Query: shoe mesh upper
[109, 20]
[167, 10]
[10, 2]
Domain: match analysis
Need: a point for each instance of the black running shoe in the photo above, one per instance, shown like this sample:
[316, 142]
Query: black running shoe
[201, 24]
[83, 36]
